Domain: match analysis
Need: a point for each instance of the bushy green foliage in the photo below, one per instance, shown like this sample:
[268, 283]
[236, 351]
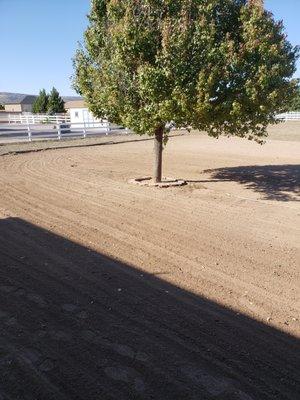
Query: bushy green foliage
[40, 105]
[295, 104]
[55, 103]
[223, 66]
[48, 103]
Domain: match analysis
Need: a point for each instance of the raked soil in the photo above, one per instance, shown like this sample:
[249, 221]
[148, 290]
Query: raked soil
[110, 290]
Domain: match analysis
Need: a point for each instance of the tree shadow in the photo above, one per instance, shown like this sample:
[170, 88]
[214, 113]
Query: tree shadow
[75, 324]
[275, 182]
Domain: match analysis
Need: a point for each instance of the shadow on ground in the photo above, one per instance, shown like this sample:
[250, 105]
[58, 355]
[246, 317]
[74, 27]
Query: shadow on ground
[274, 182]
[78, 325]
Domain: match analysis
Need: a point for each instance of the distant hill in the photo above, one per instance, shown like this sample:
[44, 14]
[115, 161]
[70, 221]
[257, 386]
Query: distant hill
[9, 98]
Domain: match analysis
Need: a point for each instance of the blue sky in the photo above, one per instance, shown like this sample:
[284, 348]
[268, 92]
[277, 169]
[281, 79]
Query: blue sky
[39, 39]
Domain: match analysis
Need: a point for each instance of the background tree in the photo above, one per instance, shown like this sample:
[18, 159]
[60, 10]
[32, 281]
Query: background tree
[2, 107]
[55, 103]
[295, 104]
[40, 106]
[223, 66]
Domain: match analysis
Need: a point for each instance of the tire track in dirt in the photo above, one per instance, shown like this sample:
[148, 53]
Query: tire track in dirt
[57, 189]
[219, 248]
[110, 226]
[122, 313]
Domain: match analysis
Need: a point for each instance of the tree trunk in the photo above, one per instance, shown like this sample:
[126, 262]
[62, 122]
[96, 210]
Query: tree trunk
[158, 148]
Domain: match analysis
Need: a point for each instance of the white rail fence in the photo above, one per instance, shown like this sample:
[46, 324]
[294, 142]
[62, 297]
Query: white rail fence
[289, 116]
[27, 119]
[32, 132]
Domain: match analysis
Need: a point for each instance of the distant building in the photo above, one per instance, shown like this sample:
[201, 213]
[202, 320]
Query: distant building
[20, 103]
[80, 114]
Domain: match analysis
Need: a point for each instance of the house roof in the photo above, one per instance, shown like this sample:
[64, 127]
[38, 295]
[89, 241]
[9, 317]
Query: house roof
[75, 104]
[29, 99]
[71, 98]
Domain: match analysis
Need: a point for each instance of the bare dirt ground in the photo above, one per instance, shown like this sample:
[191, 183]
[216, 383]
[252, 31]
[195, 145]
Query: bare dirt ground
[114, 291]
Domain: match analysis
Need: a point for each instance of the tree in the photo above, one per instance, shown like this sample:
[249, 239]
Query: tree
[40, 105]
[295, 104]
[2, 107]
[55, 103]
[258, 3]
[223, 66]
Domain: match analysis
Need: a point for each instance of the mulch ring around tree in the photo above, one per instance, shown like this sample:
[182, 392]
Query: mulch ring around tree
[165, 183]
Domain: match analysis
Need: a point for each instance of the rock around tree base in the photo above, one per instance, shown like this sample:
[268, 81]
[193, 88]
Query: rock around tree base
[166, 182]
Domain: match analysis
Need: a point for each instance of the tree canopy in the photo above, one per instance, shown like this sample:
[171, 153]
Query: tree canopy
[295, 104]
[223, 66]
[55, 103]
[40, 106]
[48, 103]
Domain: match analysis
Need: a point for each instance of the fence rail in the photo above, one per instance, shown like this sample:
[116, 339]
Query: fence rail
[65, 130]
[31, 119]
[289, 116]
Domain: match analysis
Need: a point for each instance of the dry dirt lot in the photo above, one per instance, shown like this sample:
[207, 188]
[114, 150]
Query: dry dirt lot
[114, 291]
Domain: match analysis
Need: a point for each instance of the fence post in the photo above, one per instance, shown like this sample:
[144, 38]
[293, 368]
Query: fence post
[107, 128]
[29, 132]
[59, 132]
[84, 130]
